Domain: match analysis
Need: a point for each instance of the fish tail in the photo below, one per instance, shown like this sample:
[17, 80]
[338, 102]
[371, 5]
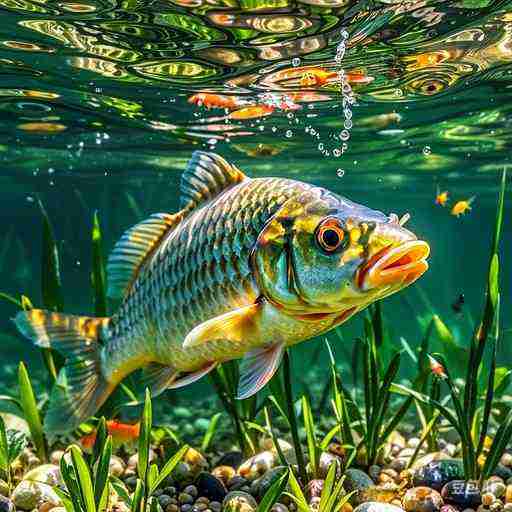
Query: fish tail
[81, 388]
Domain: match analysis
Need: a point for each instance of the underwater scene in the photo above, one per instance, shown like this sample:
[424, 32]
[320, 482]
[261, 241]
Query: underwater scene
[255, 255]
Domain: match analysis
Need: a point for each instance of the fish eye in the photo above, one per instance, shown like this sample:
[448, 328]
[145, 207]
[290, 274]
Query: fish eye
[331, 236]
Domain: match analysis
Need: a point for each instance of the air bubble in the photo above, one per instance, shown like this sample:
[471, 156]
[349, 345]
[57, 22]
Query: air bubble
[427, 150]
[347, 124]
[289, 134]
[340, 173]
[344, 135]
[296, 62]
[336, 152]
[321, 146]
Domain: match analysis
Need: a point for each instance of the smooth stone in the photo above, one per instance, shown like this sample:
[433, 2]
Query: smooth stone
[359, 481]
[449, 508]
[377, 506]
[182, 412]
[430, 457]
[325, 462]
[224, 473]
[201, 424]
[211, 487]
[437, 473]
[116, 466]
[314, 488]
[236, 483]
[239, 501]
[422, 499]
[257, 465]
[36, 488]
[503, 472]
[462, 493]
[233, 459]
[6, 505]
[496, 488]
[13, 422]
[260, 486]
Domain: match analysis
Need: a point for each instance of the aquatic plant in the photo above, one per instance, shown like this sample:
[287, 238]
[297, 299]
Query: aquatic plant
[12, 444]
[472, 408]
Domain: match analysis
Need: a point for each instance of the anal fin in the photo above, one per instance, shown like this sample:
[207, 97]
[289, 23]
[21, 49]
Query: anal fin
[257, 368]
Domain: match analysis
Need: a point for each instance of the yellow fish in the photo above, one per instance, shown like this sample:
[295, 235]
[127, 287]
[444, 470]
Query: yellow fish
[246, 268]
[461, 207]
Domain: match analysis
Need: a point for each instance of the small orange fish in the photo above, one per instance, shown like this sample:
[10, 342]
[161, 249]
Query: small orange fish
[209, 100]
[442, 197]
[316, 77]
[251, 112]
[461, 207]
[437, 368]
[121, 433]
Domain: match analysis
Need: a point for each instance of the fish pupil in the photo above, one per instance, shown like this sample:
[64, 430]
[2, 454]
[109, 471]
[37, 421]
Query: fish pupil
[331, 238]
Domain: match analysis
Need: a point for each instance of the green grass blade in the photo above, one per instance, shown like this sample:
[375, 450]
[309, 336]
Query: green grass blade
[328, 486]
[5, 463]
[296, 492]
[70, 480]
[101, 482]
[498, 447]
[309, 426]
[101, 438]
[121, 490]
[138, 496]
[83, 476]
[273, 493]
[31, 412]
[169, 468]
[145, 437]
[98, 274]
[210, 432]
[275, 441]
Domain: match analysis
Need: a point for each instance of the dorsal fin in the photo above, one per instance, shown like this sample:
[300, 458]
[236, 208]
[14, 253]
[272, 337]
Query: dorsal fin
[132, 250]
[206, 176]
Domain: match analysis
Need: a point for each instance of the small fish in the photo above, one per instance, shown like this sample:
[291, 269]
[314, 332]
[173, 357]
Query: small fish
[458, 303]
[251, 112]
[380, 120]
[461, 207]
[316, 77]
[121, 433]
[210, 100]
[247, 268]
[437, 368]
[442, 197]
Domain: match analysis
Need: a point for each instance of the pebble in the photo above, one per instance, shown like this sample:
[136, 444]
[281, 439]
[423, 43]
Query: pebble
[503, 472]
[56, 456]
[374, 472]
[508, 507]
[508, 494]
[211, 487]
[185, 499]
[376, 506]
[422, 499]
[496, 487]
[488, 499]
[314, 488]
[430, 457]
[506, 459]
[451, 508]
[413, 442]
[262, 485]
[6, 505]
[233, 459]
[236, 483]
[182, 412]
[224, 473]
[201, 424]
[325, 462]
[437, 473]
[36, 488]
[279, 507]
[164, 500]
[257, 465]
[116, 466]
[192, 490]
[359, 481]
[215, 506]
[238, 501]
[462, 493]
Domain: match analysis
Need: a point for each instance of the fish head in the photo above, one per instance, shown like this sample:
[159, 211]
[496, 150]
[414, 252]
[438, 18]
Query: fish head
[322, 255]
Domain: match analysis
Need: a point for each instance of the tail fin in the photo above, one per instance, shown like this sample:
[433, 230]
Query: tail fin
[81, 388]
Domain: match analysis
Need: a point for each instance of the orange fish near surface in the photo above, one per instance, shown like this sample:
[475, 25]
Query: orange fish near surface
[461, 207]
[210, 100]
[251, 112]
[316, 77]
[121, 433]
[442, 197]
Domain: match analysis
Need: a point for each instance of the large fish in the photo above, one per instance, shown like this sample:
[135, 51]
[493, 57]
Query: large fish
[245, 269]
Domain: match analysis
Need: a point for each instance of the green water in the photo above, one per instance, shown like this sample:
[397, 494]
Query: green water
[94, 115]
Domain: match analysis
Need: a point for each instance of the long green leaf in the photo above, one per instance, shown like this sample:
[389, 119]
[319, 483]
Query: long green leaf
[309, 426]
[210, 432]
[70, 480]
[4, 449]
[273, 493]
[168, 468]
[31, 412]
[145, 438]
[101, 480]
[84, 478]
[138, 497]
[296, 492]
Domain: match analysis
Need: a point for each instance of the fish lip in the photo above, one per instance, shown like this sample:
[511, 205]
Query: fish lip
[395, 265]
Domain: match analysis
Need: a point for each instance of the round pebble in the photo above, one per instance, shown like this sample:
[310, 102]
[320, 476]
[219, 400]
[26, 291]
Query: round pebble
[488, 499]
[462, 493]
[422, 499]
[437, 473]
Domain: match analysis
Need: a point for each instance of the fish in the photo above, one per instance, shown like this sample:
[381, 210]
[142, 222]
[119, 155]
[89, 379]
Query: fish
[211, 100]
[441, 197]
[317, 77]
[458, 303]
[121, 433]
[461, 207]
[247, 268]
[251, 112]
[437, 368]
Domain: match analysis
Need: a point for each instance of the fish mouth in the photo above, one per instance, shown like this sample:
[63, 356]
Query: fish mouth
[400, 265]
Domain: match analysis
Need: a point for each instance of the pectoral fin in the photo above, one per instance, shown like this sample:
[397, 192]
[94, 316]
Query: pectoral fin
[236, 326]
[192, 377]
[257, 368]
